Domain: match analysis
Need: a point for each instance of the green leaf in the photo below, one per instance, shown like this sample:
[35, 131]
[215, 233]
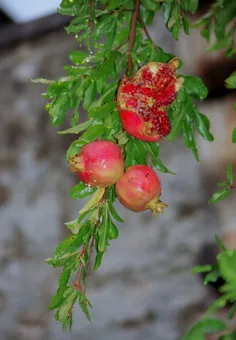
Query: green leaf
[99, 255]
[76, 129]
[186, 25]
[211, 277]
[201, 269]
[232, 312]
[230, 82]
[112, 231]
[234, 135]
[151, 5]
[177, 114]
[189, 5]
[102, 232]
[110, 36]
[219, 243]
[203, 327]
[102, 111]
[84, 303]
[215, 305]
[94, 200]
[106, 97]
[67, 247]
[159, 165]
[81, 190]
[90, 95]
[114, 212]
[227, 265]
[219, 196]
[105, 71]
[189, 137]
[223, 184]
[203, 126]
[78, 57]
[58, 109]
[195, 87]
[58, 298]
[92, 133]
[220, 44]
[153, 152]
[138, 151]
[73, 226]
[229, 173]
[74, 148]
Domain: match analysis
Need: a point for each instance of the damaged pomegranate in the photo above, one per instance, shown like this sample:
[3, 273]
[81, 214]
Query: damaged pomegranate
[142, 100]
[99, 164]
[139, 189]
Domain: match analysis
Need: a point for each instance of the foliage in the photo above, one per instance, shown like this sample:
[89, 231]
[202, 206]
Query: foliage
[219, 25]
[226, 269]
[228, 186]
[106, 45]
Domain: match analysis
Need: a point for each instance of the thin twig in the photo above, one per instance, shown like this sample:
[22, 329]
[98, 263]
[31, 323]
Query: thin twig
[91, 21]
[121, 44]
[144, 27]
[132, 32]
[232, 187]
[77, 283]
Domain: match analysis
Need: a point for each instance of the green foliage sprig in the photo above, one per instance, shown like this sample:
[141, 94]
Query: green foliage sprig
[113, 40]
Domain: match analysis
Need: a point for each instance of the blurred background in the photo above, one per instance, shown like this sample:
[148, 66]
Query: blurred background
[144, 290]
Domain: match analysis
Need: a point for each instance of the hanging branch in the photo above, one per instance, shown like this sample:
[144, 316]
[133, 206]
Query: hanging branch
[132, 32]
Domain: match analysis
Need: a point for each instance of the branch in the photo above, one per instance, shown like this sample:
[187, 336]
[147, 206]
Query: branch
[132, 32]
[91, 21]
[122, 44]
[144, 27]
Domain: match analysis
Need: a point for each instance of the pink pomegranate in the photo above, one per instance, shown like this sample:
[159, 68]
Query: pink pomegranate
[99, 163]
[139, 189]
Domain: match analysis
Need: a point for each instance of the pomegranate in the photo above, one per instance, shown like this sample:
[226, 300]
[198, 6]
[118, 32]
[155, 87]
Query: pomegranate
[139, 189]
[99, 163]
[143, 98]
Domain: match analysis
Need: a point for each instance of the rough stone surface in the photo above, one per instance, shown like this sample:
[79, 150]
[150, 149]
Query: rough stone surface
[145, 286]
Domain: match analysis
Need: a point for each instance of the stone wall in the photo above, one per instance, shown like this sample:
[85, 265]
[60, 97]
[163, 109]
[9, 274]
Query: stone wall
[144, 289]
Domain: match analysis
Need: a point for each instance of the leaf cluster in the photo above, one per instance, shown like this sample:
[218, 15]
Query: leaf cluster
[225, 268]
[219, 25]
[228, 185]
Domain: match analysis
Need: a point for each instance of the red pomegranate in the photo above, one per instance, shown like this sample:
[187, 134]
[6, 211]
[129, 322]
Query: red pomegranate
[143, 98]
[99, 163]
[139, 189]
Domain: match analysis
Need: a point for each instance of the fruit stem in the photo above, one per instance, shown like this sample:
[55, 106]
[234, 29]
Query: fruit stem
[156, 206]
[132, 33]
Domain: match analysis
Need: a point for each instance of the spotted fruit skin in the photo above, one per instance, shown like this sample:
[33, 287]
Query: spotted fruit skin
[99, 164]
[142, 100]
[139, 189]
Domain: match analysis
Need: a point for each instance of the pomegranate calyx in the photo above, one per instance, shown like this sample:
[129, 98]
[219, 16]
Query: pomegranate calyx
[76, 164]
[156, 206]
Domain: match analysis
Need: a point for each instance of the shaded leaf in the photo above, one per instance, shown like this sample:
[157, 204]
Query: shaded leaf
[114, 213]
[229, 173]
[234, 136]
[219, 196]
[201, 269]
[230, 82]
[76, 129]
[81, 190]
[195, 87]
